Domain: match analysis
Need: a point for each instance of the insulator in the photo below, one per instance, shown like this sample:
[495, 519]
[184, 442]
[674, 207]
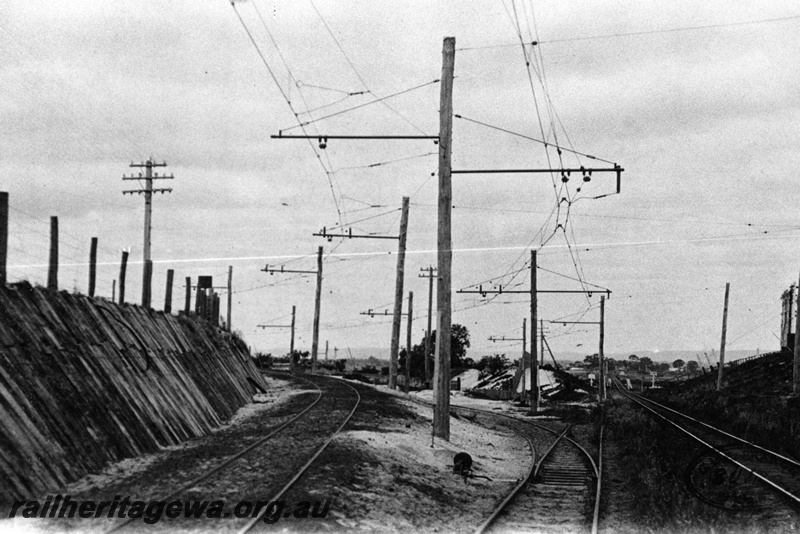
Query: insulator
[323, 143]
[587, 178]
[564, 178]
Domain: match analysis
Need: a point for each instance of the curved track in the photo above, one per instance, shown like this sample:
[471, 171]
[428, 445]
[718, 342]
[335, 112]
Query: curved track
[755, 468]
[557, 495]
[266, 476]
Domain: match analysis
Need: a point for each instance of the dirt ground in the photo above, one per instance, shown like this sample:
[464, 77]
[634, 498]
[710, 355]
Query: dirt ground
[384, 473]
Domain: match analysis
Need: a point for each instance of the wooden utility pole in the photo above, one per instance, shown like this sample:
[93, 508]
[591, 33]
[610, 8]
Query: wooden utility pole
[524, 366]
[291, 344]
[113, 291]
[408, 339]
[601, 391]
[230, 296]
[796, 367]
[168, 297]
[541, 342]
[534, 356]
[326, 350]
[148, 191]
[430, 276]
[315, 338]
[123, 267]
[441, 383]
[722, 342]
[92, 266]
[398, 296]
[52, 271]
[3, 237]
[187, 307]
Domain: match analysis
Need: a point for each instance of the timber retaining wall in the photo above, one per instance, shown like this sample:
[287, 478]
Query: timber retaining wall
[85, 382]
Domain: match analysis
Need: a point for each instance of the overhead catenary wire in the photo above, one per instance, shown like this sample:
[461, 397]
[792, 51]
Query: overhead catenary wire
[637, 33]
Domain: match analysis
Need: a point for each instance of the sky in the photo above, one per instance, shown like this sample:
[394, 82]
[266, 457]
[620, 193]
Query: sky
[697, 101]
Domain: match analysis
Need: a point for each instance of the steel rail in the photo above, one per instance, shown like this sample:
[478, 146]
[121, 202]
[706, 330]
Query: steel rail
[759, 476]
[517, 489]
[231, 459]
[303, 469]
[485, 524]
[737, 438]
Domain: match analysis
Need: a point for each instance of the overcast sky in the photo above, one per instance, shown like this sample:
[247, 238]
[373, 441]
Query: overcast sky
[698, 101]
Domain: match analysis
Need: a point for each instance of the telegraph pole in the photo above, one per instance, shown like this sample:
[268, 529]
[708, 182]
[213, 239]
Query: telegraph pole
[291, 340]
[148, 191]
[601, 391]
[430, 276]
[524, 367]
[318, 272]
[533, 292]
[441, 384]
[534, 356]
[408, 339]
[796, 367]
[398, 296]
[722, 342]
[315, 338]
[230, 295]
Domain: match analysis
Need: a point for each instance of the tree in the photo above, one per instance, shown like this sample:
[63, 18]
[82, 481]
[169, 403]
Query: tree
[593, 360]
[677, 364]
[489, 365]
[691, 367]
[612, 364]
[645, 364]
[459, 342]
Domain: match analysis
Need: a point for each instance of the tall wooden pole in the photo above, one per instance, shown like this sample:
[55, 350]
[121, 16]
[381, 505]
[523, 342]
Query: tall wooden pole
[534, 348]
[796, 369]
[428, 334]
[722, 342]
[524, 360]
[3, 237]
[113, 291]
[52, 271]
[441, 384]
[291, 343]
[541, 342]
[123, 266]
[187, 307]
[315, 338]
[326, 350]
[408, 339]
[230, 296]
[92, 266]
[601, 390]
[398, 296]
[168, 295]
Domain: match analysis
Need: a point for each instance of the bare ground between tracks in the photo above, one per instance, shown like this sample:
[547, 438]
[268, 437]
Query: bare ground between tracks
[382, 474]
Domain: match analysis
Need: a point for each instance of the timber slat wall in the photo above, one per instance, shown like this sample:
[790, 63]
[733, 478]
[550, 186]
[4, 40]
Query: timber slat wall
[76, 392]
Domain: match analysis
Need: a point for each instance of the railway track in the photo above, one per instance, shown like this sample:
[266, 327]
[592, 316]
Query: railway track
[736, 473]
[264, 470]
[561, 492]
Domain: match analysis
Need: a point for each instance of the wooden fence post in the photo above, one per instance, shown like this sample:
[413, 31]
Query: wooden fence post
[52, 270]
[3, 236]
[92, 266]
[122, 268]
[168, 297]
